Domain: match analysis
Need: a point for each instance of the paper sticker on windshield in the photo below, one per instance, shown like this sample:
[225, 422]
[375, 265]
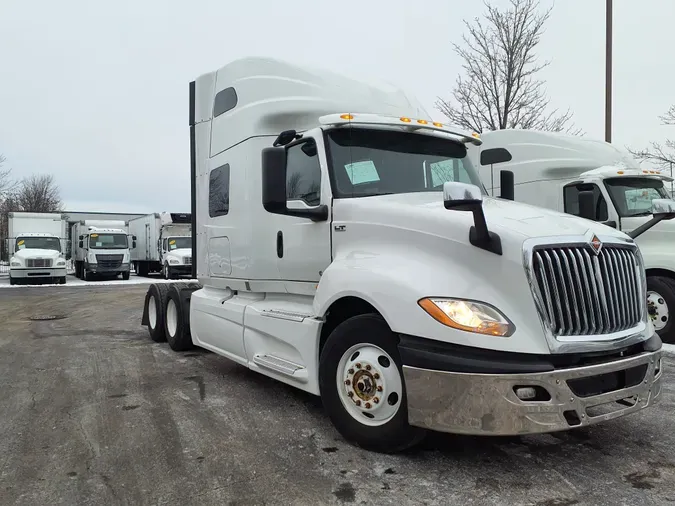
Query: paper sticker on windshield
[362, 172]
[94, 235]
[99, 244]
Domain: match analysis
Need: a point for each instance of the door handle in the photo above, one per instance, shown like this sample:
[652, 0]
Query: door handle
[280, 244]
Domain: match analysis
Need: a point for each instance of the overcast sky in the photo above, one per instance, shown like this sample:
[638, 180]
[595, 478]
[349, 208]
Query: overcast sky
[98, 96]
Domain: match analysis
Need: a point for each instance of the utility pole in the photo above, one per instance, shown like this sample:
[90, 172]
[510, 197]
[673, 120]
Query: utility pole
[608, 72]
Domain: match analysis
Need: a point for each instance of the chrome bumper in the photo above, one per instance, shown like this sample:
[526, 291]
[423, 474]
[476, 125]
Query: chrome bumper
[37, 272]
[486, 404]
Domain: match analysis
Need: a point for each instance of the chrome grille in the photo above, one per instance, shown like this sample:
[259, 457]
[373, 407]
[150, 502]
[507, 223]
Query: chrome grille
[585, 293]
[39, 262]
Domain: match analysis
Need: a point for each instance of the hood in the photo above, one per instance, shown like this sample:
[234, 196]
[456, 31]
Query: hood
[36, 253]
[180, 252]
[426, 212]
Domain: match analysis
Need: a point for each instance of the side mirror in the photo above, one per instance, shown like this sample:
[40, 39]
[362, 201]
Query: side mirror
[468, 197]
[662, 209]
[274, 187]
[133, 244]
[133, 237]
[81, 237]
[81, 244]
[587, 204]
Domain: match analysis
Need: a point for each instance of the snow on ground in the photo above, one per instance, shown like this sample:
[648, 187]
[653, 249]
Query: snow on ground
[73, 281]
[669, 349]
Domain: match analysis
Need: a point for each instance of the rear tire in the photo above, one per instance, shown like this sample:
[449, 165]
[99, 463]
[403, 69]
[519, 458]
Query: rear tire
[660, 302]
[176, 328]
[365, 345]
[155, 301]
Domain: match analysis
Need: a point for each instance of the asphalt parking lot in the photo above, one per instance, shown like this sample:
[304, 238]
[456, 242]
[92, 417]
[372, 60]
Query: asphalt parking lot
[93, 412]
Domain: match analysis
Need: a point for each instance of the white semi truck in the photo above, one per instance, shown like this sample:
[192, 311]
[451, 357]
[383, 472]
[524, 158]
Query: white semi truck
[101, 248]
[558, 171]
[35, 246]
[331, 257]
[163, 244]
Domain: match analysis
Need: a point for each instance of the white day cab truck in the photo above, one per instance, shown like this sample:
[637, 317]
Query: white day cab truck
[163, 244]
[598, 181]
[101, 248]
[344, 244]
[35, 248]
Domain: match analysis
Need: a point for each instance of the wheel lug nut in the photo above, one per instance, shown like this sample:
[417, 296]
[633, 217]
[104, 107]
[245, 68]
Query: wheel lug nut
[367, 405]
[376, 400]
[368, 368]
[379, 388]
[348, 382]
[351, 371]
[358, 403]
[376, 376]
[358, 365]
[350, 394]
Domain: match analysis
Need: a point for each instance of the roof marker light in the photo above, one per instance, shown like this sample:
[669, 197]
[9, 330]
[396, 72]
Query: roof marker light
[437, 124]
[619, 172]
[406, 120]
[346, 116]
[422, 122]
[476, 135]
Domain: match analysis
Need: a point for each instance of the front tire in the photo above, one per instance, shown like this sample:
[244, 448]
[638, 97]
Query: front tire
[62, 280]
[362, 386]
[660, 301]
[125, 275]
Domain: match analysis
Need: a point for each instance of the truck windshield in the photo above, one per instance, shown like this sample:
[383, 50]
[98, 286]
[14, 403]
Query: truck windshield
[179, 243]
[633, 196]
[367, 162]
[53, 243]
[108, 241]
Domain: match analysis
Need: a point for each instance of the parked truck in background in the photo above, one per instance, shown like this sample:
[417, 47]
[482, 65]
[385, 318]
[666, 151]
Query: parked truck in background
[101, 248]
[332, 257]
[35, 246]
[555, 171]
[163, 244]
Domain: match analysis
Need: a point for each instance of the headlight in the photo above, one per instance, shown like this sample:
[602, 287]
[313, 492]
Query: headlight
[92, 258]
[60, 262]
[173, 261]
[14, 263]
[468, 315]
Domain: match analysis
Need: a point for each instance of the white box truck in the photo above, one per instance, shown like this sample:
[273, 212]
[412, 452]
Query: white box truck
[163, 244]
[557, 171]
[101, 248]
[330, 257]
[35, 246]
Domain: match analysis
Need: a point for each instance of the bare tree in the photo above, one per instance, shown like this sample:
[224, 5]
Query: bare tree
[499, 88]
[7, 185]
[661, 155]
[38, 194]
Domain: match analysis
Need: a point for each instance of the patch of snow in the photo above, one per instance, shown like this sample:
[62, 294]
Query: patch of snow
[669, 349]
[117, 282]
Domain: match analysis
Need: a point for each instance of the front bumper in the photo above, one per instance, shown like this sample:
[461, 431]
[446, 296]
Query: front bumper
[569, 397]
[37, 272]
[104, 269]
[180, 269]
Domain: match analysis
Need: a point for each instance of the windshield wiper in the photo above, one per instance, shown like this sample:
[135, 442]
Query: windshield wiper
[372, 194]
[645, 213]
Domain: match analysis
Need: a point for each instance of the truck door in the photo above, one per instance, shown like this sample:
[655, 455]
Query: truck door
[303, 246]
[604, 210]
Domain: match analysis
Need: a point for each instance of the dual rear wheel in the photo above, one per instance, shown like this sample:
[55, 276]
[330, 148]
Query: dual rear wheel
[167, 315]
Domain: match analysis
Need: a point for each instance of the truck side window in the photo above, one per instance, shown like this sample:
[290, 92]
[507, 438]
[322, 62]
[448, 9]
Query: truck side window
[303, 176]
[219, 191]
[571, 197]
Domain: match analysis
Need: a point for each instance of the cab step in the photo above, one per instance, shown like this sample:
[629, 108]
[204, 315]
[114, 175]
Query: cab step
[281, 366]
